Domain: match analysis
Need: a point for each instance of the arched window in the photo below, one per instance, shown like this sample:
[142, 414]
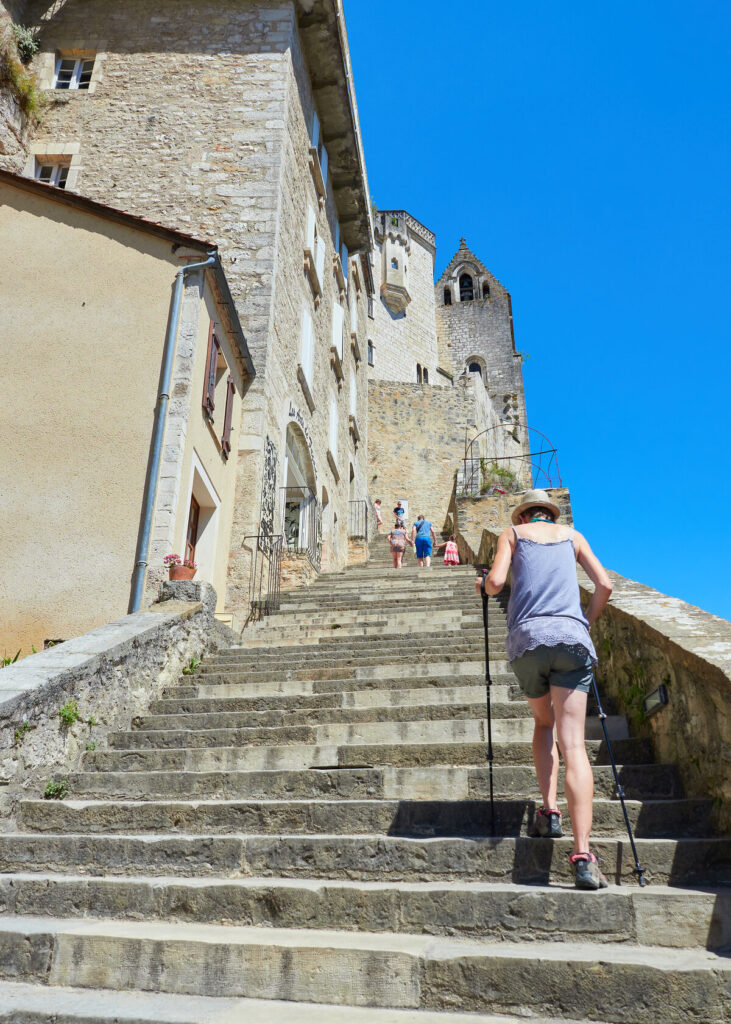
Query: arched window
[426, 375]
[370, 353]
[485, 290]
[418, 373]
[466, 288]
[475, 368]
[447, 296]
[394, 263]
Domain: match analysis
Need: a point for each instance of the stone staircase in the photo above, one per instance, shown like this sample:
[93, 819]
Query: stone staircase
[300, 832]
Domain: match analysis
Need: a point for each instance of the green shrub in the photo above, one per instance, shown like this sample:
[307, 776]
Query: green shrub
[191, 667]
[19, 81]
[92, 745]
[7, 660]
[69, 713]
[21, 731]
[26, 41]
[56, 790]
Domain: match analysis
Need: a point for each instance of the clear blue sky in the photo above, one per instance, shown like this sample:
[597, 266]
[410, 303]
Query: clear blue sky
[583, 151]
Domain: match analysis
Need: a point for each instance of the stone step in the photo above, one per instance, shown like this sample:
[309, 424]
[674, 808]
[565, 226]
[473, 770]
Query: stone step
[670, 819]
[300, 657]
[640, 782]
[381, 733]
[319, 716]
[686, 861]
[367, 969]
[353, 645]
[305, 755]
[447, 695]
[22, 1003]
[464, 632]
[403, 668]
[369, 689]
[502, 911]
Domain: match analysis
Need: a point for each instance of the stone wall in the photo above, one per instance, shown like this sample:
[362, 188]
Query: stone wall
[416, 441]
[401, 340]
[112, 673]
[644, 639]
[200, 119]
[13, 125]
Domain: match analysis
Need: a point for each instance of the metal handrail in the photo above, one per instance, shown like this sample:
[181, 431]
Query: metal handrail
[265, 581]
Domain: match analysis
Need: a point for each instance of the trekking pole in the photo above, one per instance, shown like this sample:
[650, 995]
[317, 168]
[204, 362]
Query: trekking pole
[636, 870]
[488, 684]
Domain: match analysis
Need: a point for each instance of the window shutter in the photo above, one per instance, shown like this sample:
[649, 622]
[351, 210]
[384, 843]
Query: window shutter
[338, 328]
[344, 259]
[333, 427]
[307, 345]
[226, 435]
[311, 230]
[323, 165]
[320, 260]
[353, 312]
[209, 385]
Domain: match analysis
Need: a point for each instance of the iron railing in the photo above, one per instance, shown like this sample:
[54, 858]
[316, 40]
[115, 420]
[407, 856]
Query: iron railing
[302, 523]
[508, 457]
[266, 574]
[358, 520]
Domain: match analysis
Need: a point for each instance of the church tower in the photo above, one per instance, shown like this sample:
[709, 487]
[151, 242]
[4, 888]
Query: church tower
[475, 332]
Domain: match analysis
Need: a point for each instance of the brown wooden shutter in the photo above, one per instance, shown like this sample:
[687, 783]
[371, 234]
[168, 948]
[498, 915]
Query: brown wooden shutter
[226, 436]
[209, 384]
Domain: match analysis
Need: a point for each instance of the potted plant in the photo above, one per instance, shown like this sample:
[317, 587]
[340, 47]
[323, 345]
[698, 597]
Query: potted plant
[180, 568]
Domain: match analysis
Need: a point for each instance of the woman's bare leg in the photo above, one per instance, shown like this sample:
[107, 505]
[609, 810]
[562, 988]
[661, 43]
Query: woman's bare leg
[569, 707]
[545, 754]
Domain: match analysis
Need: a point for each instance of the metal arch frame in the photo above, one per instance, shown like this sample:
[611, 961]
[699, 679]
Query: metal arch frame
[549, 449]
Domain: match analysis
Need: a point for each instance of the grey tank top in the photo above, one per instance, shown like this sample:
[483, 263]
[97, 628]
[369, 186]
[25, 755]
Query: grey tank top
[545, 606]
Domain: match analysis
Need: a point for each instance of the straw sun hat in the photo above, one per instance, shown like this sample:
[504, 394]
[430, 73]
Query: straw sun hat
[533, 498]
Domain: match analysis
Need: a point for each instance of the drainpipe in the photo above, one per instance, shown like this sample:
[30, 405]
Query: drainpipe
[138, 579]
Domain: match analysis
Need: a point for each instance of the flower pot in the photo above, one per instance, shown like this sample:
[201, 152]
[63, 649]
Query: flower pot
[181, 572]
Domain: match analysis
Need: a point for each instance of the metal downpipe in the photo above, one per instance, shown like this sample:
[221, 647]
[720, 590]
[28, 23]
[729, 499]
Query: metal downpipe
[138, 579]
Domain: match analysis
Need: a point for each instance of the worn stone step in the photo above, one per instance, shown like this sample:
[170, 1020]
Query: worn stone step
[634, 983]
[687, 861]
[23, 1003]
[665, 818]
[319, 716]
[651, 781]
[360, 668]
[370, 689]
[299, 756]
[382, 697]
[465, 628]
[456, 642]
[301, 657]
[654, 916]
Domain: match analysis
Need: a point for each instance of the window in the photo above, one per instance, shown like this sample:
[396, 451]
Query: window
[211, 379]
[370, 353]
[394, 263]
[418, 373]
[333, 442]
[426, 376]
[52, 174]
[447, 297]
[318, 144]
[307, 346]
[344, 259]
[191, 534]
[338, 321]
[466, 288]
[475, 368]
[371, 310]
[353, 395]
[228, 415]
[485, 290]
[73, 73]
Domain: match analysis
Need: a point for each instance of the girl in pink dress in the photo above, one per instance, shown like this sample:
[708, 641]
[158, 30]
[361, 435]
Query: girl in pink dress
[451, 554]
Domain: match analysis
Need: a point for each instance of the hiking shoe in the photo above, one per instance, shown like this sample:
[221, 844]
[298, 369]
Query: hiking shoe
[586, 871]
[547, 824]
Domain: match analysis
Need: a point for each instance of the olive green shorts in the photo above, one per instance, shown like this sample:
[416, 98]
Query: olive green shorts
[559, 665]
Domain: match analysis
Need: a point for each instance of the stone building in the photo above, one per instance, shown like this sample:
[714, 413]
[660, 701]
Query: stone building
[87, 502]
[236, 120]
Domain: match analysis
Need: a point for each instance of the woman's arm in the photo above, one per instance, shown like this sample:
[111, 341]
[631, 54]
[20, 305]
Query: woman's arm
[495, 579]
[598, 576]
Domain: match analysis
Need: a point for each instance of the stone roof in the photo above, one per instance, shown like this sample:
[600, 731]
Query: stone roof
[465, 255]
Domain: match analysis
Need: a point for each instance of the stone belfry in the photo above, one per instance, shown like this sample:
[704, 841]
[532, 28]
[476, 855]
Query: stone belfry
[475, 331]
